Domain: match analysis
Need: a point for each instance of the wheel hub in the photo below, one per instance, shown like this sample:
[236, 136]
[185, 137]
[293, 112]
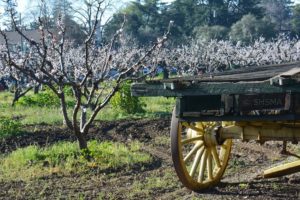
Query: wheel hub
[207, 130]
[210, 139]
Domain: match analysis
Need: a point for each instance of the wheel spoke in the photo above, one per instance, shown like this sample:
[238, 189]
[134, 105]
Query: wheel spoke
[209, 166]
[224, 146]
[216, 156]
[199, 125]
[193, 151]
[199, 162]
[196, 161]
[186, 141]
[194, 128]
[202, 167]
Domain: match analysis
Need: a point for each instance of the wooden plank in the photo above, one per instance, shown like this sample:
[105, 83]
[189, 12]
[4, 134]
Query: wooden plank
[252, 80]
[290, 73]
[257, 73]
[214, 88]
[261, 101]
[289, 77]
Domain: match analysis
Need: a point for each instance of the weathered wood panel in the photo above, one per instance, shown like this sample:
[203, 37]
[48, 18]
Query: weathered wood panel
[257, 73]
[262, 101]
[252, 80]
[204, 88]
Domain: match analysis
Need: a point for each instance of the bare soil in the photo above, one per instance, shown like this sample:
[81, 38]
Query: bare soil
[156, 180]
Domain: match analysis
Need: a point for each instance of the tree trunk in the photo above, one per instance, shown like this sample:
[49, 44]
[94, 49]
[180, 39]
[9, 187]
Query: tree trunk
[13, 103]
[36, 89]
[81, 140]
[18, 94]
[16, 97]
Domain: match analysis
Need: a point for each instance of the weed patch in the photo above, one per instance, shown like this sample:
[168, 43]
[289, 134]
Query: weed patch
[162, 140]
[124, 101]
[42, 99]
[66, 158]
[44, 107]
[9, 126]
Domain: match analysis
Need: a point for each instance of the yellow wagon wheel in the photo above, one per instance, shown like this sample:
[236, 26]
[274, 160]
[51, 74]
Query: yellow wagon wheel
[198, 158]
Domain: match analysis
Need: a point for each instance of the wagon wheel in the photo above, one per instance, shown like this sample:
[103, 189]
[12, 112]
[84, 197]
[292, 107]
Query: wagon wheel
[198, 159]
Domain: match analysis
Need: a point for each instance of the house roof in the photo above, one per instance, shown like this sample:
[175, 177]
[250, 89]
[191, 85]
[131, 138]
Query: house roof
[15, 38]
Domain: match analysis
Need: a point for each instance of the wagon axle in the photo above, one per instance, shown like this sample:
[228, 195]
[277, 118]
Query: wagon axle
[260, 131]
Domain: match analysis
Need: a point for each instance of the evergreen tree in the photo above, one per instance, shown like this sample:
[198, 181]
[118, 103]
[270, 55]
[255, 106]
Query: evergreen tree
[250, 28]
[208, 33]
[145, 20]
[148, 18]
[279, 12]
[238, 8]
[62, 10]
[295, 21]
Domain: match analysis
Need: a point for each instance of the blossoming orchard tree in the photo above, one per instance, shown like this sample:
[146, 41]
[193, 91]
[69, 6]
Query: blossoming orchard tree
[57, 63]
[17, 83]
[213, 56]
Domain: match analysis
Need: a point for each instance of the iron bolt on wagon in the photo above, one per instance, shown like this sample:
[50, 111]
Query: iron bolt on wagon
[256, 103]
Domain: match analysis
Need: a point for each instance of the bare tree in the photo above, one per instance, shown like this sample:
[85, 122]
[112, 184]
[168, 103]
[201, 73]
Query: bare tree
[57, 63]
[6, 19]
[17, 83]
[85, 15]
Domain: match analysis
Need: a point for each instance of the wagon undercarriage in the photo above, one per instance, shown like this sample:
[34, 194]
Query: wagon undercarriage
[258, 103]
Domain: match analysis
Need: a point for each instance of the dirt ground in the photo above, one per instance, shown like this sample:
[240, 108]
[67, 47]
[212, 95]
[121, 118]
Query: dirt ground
[156, 180]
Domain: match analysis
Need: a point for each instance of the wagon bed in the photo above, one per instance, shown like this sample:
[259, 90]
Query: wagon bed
[256, 103]
[260, 79]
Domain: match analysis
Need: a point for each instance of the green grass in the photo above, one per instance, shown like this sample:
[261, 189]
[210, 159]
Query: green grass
[65, 158]
[5, 99]
[155, 107]
[28, 115]
[9, 126]
[158, 104]
[33, 115]
[162, 140]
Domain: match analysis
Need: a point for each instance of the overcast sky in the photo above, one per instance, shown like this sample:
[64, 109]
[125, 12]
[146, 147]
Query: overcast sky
[23, 5]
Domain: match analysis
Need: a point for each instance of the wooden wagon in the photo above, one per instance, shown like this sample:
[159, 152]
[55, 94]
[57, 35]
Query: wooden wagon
[256, 103]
